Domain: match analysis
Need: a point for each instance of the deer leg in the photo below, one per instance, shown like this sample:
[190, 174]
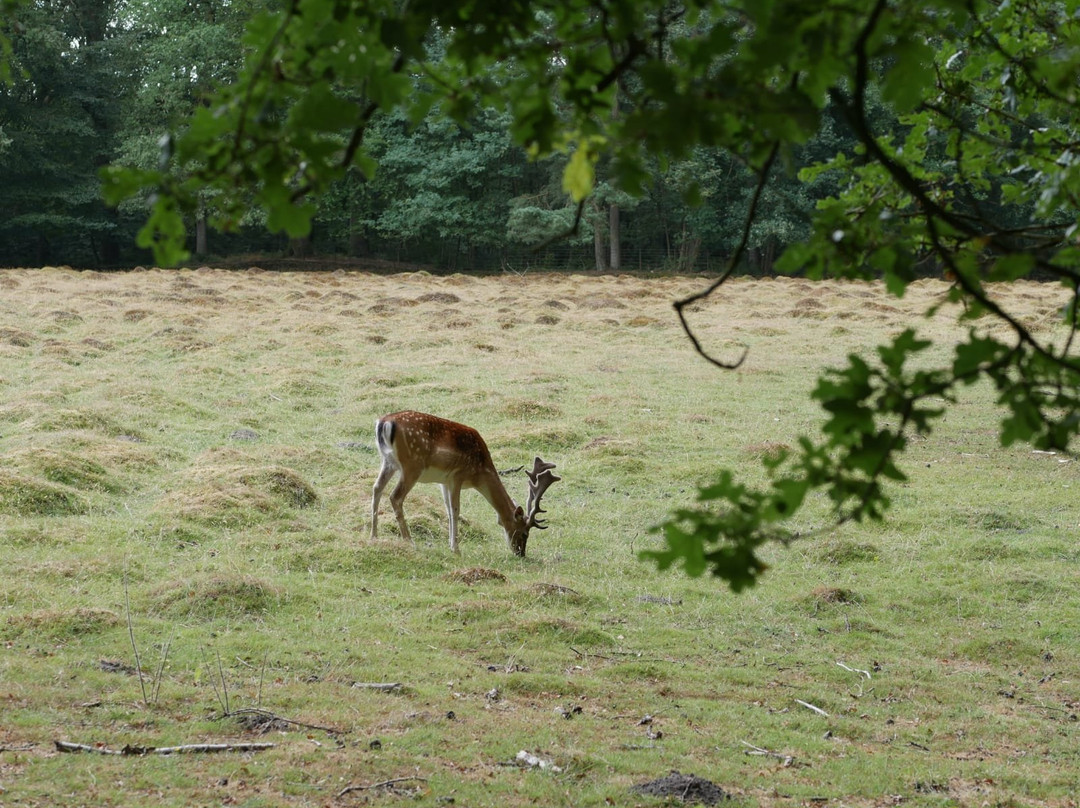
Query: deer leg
[385, 474]
[452, 498]
[397, 497]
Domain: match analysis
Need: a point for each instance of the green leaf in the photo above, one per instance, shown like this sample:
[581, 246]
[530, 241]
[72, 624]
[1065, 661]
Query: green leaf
[579, 176]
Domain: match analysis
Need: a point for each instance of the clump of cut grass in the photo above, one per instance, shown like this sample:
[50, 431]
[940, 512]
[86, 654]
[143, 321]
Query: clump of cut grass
[833, 596]
[22, 495]
[1000, 522]
[527, 410]
[559, 630]
[475, 575]
[845, 551]
[235, 496]
[65, 468]
[17, 337]
[547, 591]
[994, 549]
[769, 450]
[221, 595]
[50, 419]
[57, 624]
[282, 483]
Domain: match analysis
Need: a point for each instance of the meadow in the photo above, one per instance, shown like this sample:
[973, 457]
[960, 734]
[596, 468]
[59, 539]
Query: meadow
[187, 461]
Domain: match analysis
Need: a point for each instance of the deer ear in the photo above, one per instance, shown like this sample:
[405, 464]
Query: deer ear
[519, 514]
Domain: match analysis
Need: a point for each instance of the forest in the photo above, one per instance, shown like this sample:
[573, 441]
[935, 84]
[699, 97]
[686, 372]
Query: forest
[99, 82]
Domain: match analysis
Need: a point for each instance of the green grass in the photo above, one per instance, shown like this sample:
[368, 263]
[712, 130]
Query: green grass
[188, 460]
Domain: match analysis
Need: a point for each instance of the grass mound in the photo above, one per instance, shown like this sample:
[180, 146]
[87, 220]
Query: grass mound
[475, 575]
[22, 495]
[56, 624]
[234, 496]
[64, 468]
[213, 596]
[843, 551]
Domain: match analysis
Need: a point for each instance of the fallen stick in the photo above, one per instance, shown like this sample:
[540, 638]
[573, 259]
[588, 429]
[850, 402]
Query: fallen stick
[269, 716]
[854, 670]
[810, 706]
[757, 750]
[194, 748]
[383, 784]
[386, 687]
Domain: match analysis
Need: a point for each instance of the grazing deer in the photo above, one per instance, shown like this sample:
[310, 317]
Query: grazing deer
[427, 449]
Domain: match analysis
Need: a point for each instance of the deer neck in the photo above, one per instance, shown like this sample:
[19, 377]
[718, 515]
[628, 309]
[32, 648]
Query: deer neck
[492, 489]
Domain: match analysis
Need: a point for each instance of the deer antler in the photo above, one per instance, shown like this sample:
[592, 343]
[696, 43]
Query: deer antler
[540, 479]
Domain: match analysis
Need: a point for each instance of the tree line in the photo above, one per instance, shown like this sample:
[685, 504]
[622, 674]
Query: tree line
[99, 82]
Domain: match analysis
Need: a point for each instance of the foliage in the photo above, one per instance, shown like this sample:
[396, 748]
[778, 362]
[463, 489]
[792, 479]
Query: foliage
[979, 183]
[57, 123]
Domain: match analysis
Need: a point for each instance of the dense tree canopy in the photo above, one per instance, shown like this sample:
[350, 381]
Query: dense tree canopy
[854, 138]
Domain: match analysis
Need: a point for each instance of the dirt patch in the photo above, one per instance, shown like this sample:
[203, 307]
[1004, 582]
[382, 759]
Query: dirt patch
[475, 575]
[688, 788]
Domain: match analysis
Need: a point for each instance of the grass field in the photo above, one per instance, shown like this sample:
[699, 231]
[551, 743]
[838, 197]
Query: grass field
[187, 469]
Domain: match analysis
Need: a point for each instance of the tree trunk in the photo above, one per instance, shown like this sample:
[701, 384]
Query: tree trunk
[200, 235]
[598, 248]
[300, 247]
[613, 235]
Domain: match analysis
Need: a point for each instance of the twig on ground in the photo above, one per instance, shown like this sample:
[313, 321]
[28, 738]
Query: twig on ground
[26, 747]
[757, 750]
[854, 670]
[269, 716]
[129, 749]
[383, 784]
[810, 706]
[585, 656]
[383, 686]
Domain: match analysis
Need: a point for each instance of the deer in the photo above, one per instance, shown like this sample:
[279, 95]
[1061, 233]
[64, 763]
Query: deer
[428, 449]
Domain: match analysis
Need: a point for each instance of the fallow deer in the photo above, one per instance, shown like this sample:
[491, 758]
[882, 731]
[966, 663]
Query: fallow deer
[428, 449]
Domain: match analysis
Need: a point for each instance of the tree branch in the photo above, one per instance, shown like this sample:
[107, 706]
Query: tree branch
[733, 260]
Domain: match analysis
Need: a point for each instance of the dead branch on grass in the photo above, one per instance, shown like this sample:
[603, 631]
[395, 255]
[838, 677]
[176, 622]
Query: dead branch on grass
[788, 760]
[268, 717]
[139, 751]
[387, 784]
[26, 747]
[810, 706]
[385, 687]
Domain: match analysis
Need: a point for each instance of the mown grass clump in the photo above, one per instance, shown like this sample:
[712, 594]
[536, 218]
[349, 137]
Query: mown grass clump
[65, 468]
[845, 551]
[23, 495]
[59, 624]
[213, 596]
[235, 496]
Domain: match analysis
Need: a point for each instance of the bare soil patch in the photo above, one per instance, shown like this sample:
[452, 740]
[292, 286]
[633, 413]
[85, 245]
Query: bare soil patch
[687, 788]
